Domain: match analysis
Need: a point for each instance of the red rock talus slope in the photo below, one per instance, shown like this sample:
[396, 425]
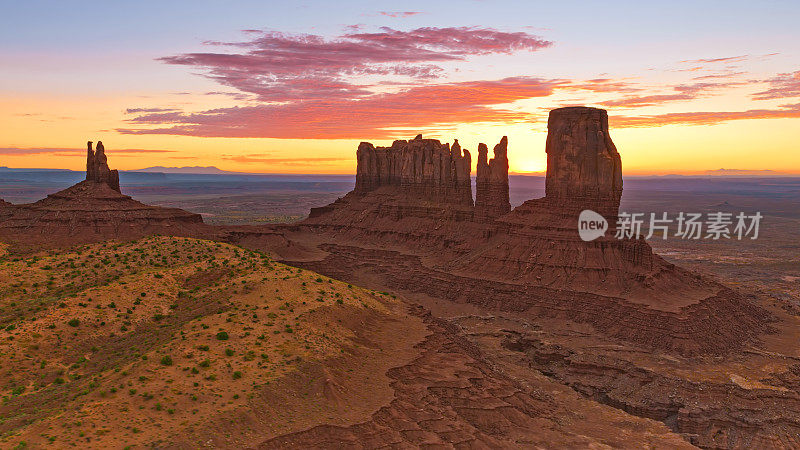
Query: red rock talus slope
[90, 211]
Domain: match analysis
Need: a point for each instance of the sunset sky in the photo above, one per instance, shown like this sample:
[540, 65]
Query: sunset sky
[292, 87]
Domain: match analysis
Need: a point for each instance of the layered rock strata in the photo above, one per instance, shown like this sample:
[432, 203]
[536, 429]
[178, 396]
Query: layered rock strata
[420, 168]
[93, 210]
[583, 165]
[97, 169]
[491, 183]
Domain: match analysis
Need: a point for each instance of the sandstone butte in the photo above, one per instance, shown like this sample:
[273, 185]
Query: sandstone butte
[89, 211]
[608, 318]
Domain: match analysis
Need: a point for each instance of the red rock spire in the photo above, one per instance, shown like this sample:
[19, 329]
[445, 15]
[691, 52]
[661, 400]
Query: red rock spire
[97, 169]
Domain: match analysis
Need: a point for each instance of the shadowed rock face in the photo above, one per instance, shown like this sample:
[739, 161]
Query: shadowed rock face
[491, 183]
[583, 165]
[97, 169]
[421, 168]
[534, 252]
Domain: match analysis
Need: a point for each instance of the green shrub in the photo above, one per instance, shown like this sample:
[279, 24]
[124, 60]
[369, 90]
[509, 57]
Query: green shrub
[222, 336]
[74, 322]
[166, 360]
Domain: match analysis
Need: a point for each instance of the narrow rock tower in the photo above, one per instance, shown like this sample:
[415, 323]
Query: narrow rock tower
[491, 182]
[97, 169]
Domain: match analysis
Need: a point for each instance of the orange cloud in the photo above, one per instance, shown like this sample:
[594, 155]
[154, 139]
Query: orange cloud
[784, 85]
[73, 151]
[704, 118]
[372, 117]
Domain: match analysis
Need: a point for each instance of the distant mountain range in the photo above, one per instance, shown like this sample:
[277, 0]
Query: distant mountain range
[746, 173]
[205, 170]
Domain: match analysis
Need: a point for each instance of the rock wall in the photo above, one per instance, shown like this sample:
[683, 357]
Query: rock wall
[491, 183]
[583, 165]
[420, 168]
[97, 169]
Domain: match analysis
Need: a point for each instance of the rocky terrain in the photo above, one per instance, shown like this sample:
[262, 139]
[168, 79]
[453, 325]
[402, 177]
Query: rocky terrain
[609, 318]
[456, 323]
[90, 211]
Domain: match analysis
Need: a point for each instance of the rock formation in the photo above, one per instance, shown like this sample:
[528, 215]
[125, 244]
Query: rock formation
[531, 257]
[533, 323]
[583, 165]
[491, 183]
[92, 210]
[420, 168]
[97, 169]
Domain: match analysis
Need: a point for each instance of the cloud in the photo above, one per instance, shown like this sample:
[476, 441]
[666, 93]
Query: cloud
[399, 14]
[147, 110]
[705, 118]
[599, 85]
[728, 59]
[280, 67]
[726, 74]
[784, 85]
[377, 116]
[682, 92]
[17, 151]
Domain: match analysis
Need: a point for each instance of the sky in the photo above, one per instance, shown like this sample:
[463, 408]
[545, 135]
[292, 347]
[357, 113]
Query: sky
[293, 87]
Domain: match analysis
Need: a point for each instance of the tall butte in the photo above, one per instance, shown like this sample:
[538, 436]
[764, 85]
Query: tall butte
[530, 260]
[583, 165]
[97, 169]
[422, 169]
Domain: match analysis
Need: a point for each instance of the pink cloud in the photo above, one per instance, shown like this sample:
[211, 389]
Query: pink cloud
[371, 117]
[398, 14]
[784, 85]
[682, 92]
[279, 67]
[728, 59]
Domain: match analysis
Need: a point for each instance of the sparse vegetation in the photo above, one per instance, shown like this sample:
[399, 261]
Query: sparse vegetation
[98, 323]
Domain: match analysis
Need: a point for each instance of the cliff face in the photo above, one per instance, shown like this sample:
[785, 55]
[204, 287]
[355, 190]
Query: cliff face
[583, 165]
[420, 168]
[537, 244]
[97, 169]
[491, 183]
